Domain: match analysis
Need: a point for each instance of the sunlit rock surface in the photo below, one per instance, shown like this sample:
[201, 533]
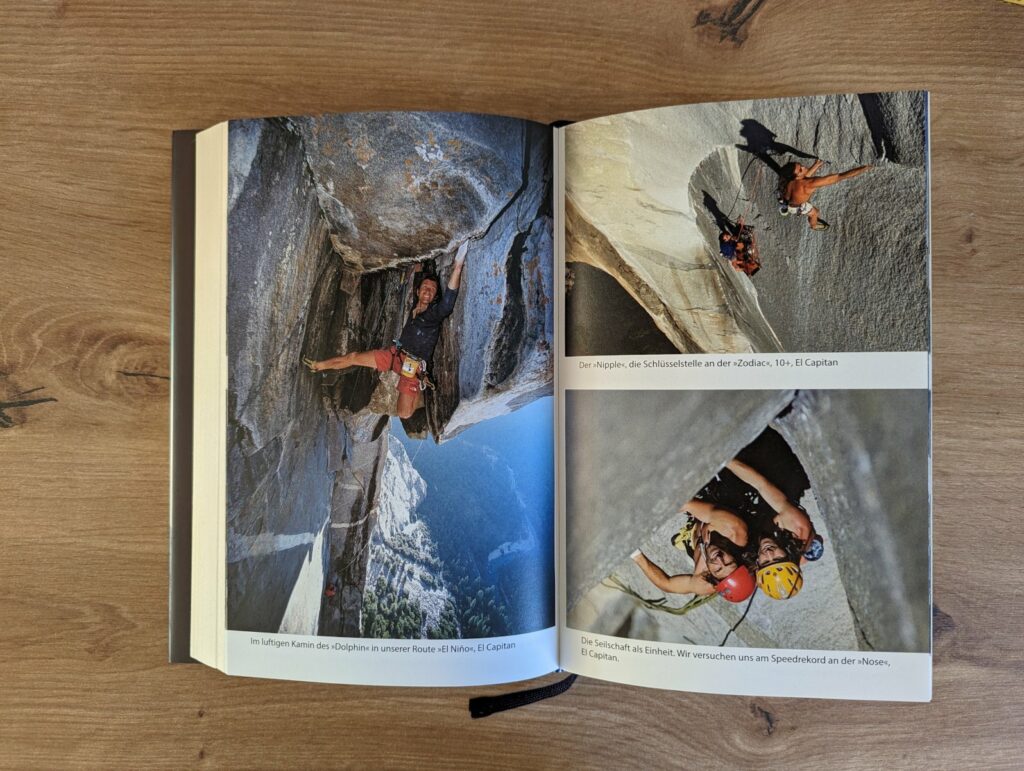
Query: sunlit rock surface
[646, 195]
[327, 217]
[633, 458]
[401, 550]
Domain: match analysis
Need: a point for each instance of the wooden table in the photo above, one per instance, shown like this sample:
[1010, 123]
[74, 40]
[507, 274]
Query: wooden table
[89, 93]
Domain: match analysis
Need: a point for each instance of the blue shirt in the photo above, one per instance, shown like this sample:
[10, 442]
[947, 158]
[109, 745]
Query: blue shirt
[419, 337]
[727, 248]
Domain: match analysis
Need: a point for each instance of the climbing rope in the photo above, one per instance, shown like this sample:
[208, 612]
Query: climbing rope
[749, 603]
[659, 604]
[416, 454]
[739, 189]
[753, 190]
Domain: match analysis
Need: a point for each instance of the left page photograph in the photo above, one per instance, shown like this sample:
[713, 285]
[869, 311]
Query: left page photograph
[388, 482]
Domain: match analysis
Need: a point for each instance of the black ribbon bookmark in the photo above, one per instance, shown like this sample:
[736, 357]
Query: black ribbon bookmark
[482, 706]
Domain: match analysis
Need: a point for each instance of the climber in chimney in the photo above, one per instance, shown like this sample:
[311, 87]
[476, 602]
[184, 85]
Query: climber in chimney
[798, 184]
[714, 538]
[782, 544]
[409, 355]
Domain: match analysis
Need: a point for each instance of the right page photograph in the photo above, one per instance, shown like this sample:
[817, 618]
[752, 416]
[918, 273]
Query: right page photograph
[747, 410]
[762, 226]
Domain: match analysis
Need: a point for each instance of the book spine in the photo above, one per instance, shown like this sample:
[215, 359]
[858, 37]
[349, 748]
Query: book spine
[183, 194]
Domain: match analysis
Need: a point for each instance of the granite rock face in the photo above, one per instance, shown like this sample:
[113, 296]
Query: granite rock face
[686, 437]
[277, 436]
[404, 187]
[496, 351]
[866, 456]
[649, 193]
[327, 216]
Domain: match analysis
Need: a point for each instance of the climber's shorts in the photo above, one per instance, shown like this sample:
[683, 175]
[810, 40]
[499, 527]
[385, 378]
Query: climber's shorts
[804, 208]
[385, 359]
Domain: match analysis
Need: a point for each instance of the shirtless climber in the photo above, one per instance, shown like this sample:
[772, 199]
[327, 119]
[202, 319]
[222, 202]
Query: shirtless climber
[799, 184]
[714, 538]
[416, 344]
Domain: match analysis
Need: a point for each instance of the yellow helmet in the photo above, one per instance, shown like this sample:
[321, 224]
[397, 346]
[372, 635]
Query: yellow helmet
[780, 580]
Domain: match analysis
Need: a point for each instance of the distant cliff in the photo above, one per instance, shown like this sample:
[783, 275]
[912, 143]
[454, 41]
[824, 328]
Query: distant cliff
[401, 551]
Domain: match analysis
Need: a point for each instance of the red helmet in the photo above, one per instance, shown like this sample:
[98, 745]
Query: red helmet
[738, 585]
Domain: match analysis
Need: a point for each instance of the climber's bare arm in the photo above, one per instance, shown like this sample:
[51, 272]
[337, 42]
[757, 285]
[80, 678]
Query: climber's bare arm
[678, 584]
[788, 516]
[460, 259]
[831, 179]
[720, 520]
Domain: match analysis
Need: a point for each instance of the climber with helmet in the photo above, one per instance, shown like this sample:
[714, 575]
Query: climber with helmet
[783, 544]
[799, 184]
[415, 347]
[714, 538]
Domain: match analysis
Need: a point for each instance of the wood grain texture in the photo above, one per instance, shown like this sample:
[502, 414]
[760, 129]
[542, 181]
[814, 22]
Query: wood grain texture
[91, 90]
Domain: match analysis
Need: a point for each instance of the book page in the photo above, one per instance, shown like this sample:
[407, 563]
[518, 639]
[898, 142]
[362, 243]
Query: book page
[390, 485]
[746, 393]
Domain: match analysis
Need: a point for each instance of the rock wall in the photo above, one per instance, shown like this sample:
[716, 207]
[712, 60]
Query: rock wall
[819, 618]
[327, 216]
[652, 189]
[866, 456]
[485, 178]
[657, 449]
[277, 436]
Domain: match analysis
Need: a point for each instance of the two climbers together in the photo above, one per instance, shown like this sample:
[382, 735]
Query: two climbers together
[410, 354]
[797, 184]
[734, 553]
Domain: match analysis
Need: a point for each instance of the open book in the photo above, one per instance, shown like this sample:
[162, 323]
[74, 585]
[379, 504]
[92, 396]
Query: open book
[465, 399]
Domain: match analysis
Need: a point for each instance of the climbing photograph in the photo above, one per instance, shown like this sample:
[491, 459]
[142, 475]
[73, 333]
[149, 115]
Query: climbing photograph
[772, 225]
[761, 519]
[390, 376]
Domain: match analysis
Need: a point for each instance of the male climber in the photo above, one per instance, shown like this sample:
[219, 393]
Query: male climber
[714, 538]
[415, 345]
[799, 184]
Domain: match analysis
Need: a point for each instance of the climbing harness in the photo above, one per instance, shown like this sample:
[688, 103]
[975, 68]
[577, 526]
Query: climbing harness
[412, 366]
